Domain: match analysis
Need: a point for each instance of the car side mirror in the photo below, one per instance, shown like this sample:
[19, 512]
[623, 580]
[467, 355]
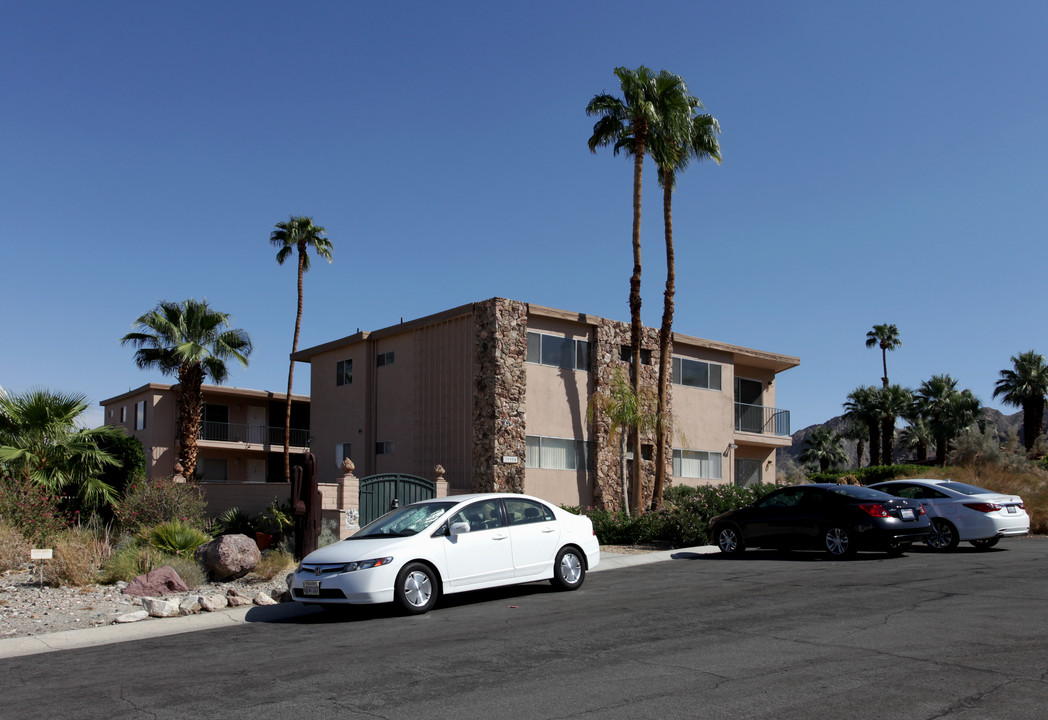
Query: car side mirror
[458, 528]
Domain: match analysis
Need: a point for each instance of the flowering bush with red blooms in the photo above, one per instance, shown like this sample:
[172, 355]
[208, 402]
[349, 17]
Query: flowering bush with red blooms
[152, 502]
[30, 508]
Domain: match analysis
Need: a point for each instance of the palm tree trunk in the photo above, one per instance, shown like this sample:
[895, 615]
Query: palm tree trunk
[640, 137]
[625, 474]
[1033, 419]
[190, 412]
[888, 441]
[875, 443]
[884, 361]
[291, 367]
[665, 342]
[860, 450]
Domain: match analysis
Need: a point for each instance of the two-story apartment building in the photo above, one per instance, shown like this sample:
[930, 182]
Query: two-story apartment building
[241, 439]
[501, 392]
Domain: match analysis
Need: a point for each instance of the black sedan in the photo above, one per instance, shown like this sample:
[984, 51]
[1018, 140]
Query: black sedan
[839, 519]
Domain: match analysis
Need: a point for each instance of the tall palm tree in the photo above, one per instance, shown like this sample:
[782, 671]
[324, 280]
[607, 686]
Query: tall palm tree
[823, 446]
[892, 401]
[298, 234]
[861, 407]
[947, 410]
[191, 341]
[886, 337]
[672, 154]
[41, 441]
[625, 124]
[1026, 386]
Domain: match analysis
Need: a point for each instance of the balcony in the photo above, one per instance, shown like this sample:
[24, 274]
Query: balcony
[762, 420]
[267, 437]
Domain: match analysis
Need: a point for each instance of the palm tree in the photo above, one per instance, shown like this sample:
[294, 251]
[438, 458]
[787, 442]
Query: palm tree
[886, 337]
[191, 341]
[628, 413]
[41, 441]
[947, 410]
[861, 407]
[625, 124]
[917, 436]
[893, 401]
[672, 154]
[860, 433]
[297, 234]
[823, 446]
[1026, 386]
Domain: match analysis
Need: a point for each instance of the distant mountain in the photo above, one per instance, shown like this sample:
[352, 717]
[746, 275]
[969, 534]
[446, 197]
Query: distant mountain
[1007, 425]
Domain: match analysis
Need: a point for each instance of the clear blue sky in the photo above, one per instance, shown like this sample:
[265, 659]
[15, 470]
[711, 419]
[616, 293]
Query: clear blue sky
[883, 163]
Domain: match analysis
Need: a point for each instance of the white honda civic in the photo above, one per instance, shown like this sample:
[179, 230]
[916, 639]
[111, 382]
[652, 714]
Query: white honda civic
[959, 511]
[414, 554]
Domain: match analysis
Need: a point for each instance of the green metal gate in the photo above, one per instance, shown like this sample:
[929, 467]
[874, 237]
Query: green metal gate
[378, 493]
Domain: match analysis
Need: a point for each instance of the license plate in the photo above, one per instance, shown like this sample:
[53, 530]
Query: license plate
[310, 587]
[1012, 510]
[907, 514]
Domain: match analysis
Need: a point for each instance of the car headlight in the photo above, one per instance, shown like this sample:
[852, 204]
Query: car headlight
[365, 564]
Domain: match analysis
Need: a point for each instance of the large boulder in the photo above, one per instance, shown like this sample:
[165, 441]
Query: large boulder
[161, 581]
[229, 557]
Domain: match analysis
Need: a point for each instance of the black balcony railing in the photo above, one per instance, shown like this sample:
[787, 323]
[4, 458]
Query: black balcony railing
[761, 419]
[256, 434]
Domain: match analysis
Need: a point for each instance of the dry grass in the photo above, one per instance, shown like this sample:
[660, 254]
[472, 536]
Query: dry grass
[272, 564]
[1031, 485]
[14, 548]
[78, 556]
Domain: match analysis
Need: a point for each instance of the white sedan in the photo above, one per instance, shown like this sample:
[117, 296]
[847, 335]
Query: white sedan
[963, 512]
[414, 554]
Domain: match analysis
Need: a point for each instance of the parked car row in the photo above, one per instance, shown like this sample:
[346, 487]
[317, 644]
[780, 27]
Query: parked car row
[886, 517]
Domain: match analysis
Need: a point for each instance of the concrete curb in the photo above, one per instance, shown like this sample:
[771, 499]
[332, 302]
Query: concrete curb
[154, 627]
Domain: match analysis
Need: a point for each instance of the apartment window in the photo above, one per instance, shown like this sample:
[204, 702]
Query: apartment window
[123, 413]
[342, 451]
[385, 358]
[626, 355]
[383, 448]
[556, 351]
[549, 453]
[696, 373]
[211, 469]
[140, 415]
[344, 372]
[697, 464]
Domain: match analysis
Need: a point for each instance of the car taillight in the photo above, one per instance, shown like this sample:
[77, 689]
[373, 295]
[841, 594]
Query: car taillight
[874, 509]
[922, 512]
[1021, 506]
[983, 507]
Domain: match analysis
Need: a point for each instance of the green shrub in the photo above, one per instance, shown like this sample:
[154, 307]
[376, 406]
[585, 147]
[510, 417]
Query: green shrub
[14, 548]
[234, 521]
[134, 558]
[174, 538]
[152, 502]
[871, 475]
[31, 509]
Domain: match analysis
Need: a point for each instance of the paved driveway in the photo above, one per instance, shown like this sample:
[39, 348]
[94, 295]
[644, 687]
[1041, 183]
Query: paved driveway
[702, 636]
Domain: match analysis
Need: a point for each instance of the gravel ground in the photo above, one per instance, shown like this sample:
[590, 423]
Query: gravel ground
[26, 608]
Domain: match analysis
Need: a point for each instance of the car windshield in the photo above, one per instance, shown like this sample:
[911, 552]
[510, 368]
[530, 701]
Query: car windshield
[405, 521]
[965, 488]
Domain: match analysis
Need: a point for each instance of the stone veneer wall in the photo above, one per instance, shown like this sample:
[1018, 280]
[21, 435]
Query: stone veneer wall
[500, 349]
[611, 337]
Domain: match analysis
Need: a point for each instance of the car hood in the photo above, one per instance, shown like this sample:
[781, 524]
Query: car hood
[363, 549]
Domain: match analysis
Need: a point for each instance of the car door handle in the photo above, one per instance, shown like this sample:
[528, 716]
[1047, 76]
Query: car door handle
[549, 530]
[499, 537]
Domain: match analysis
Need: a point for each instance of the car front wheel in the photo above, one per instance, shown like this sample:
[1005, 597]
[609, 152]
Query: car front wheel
[943, 537]
[729, 540]
[569, 569]
[416, 590]
[838, 542]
